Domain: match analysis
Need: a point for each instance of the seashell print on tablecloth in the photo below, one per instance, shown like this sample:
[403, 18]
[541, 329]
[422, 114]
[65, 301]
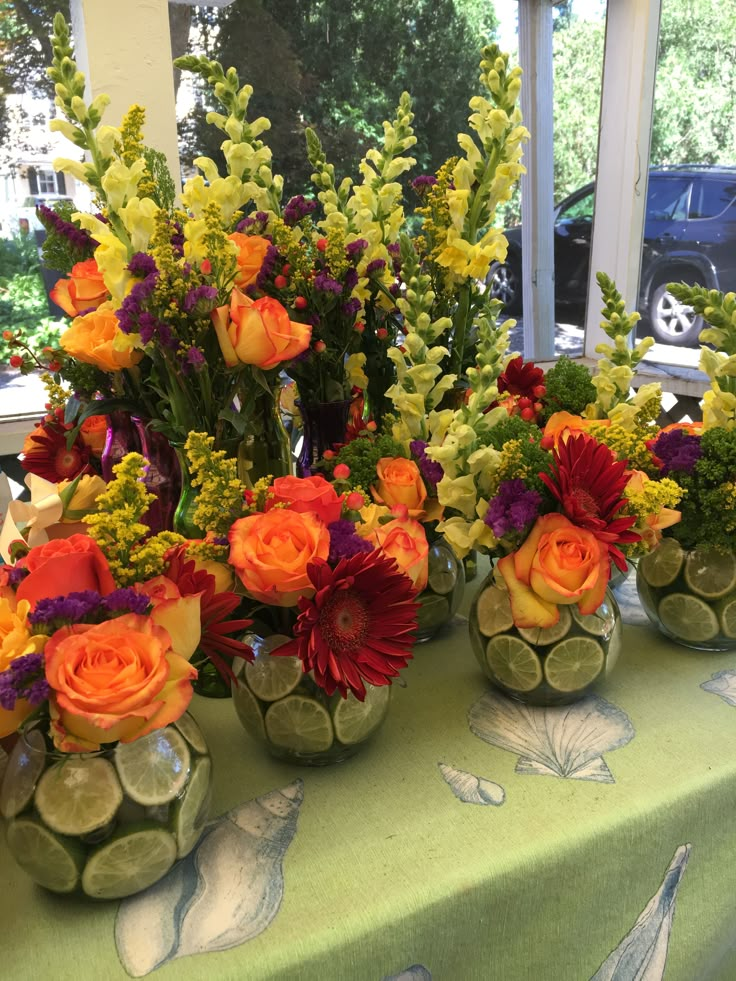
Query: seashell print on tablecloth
[722, 683]
[414, 973]
[642, 954]
[471, 789]
[564, 741]
[225, 892]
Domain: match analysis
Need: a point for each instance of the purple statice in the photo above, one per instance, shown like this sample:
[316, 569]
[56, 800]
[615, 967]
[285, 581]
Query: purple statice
[345, 541]
[421, 183]
[131, 309]
[77, 237]
[376, 265]
[202, 296]
[142, 265]
[394, 289]
[72, 608]
[126, 600]
[353, 248]
[17, 574]
[220, 540]
[270, 260]
[350, 279]
[24, 678]
[430, 470]
[195, 359]
[351, 308]
[177, 238]
[678, 450]
[297, 208]
[166, 336]
[326, 284]
[513, 508]
[262, 217]
[245, 224]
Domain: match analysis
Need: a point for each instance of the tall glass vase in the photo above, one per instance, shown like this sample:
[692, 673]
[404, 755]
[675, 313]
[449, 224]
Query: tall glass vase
[123, 436]
[184, 523]
[265, 451]
[163, 478]
[324, 425]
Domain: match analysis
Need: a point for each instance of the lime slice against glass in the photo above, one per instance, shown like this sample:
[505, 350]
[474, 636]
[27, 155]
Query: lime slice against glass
[538, 636]
[661, 566]
[78, 795]
[128, 862]
[300, 724]
[25, 766]
[192, 733]
[592, 623]
[710, 572]
[513, 662]
[50, 860]
[688, 617]
[154, 768]
[433, 611]
[249, 710]
[726, 609]
[494, 612]
[354, 721]
[192, 811]
[270, 678]
[574, 663]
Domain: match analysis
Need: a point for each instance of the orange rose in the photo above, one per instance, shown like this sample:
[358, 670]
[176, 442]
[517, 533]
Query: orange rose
[270, 553]
[313, 494]
[111, 681]
[62, 566]
[558, 564]
[16, 640]
[561, 425]
[258, 332]
[251, 253]
[93, 433]
[406, 543]
[399, 482]
[85, 289]
[94, 339]
[180, 616]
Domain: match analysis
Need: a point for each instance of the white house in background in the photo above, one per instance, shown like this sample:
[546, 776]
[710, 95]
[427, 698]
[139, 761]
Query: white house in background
[26, 162]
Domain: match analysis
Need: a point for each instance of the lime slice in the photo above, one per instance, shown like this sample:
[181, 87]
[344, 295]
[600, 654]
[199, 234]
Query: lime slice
[354, 721]
[433, 611]
[727, 613]
[25, 766]
[192, 733]
[130, 861]
[593, 623]
[442, 571]
[710, 572]
[299, 724]
[249, 710]
[494, 611]
[688, 617]
[574, 663]
[154, 768]
[538, 636]
[270, 678]
[78, 795]
[50, 860]
[192, 811]
[661, 566]
[513, 662]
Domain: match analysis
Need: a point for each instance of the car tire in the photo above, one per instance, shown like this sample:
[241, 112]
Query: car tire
[504, 283]
[671, 321]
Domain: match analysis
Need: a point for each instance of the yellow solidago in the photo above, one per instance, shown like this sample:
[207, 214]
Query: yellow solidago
[653, 502]
[626, 444]
[220, 500]
[56, 395]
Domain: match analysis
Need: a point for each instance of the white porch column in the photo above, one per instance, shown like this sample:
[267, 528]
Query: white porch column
[124, 49]
[629, 64]
[537, 185]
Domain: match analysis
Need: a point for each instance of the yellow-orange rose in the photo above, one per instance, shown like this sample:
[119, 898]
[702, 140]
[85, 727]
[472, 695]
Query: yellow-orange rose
[179, 615]
[558, 564]
[111, 681]
[406, 543]
[258, 332]
[561, 425]
[16, 640]
[92, 338]
[85, 289]
[251, 253]
[93, 433]
[399, 482]
[270, 553]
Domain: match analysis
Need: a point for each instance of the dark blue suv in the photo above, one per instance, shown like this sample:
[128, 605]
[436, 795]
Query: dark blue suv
[689, 234]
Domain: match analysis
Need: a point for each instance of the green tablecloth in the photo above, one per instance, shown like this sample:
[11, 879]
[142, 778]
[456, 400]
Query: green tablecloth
[389, 873]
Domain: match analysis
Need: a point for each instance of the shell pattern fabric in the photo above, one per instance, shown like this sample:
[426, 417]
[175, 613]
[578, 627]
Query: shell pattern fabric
[471, 789]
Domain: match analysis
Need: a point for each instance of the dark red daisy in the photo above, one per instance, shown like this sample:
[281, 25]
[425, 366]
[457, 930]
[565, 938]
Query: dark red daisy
[359, 626]
[520, 378]
[589, 483]
[50, 454]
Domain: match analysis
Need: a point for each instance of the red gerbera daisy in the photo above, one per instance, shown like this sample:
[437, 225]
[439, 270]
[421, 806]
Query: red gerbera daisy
[46, 453]
[588, 482]
[359, 626]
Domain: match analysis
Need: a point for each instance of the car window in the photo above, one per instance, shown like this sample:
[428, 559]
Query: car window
[667, 198]
[579, 210]
[711, 197]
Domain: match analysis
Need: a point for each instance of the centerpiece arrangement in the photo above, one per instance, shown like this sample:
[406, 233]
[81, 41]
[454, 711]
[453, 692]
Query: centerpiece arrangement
[687, 586]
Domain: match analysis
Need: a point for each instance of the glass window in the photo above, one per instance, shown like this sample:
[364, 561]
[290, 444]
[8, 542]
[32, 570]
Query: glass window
[578, 210]
[46, 182]
[667, 199]
[711, 197]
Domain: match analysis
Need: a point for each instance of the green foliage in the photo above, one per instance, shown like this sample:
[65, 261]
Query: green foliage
[569, 389]
[161, 176]
[23, 304]
[362, 455]
[709, 506]
[58, 251]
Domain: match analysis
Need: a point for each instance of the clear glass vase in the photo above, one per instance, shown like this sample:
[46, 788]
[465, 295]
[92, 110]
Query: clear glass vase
[110, 823]
[324, 424]
[543, 666]
[441, 599]
[284, 709]
[690, 595]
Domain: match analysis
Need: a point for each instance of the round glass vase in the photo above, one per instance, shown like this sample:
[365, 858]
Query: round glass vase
[110, 823]
[285, 709]
[441, 599]
[690, 595]
[543, 666]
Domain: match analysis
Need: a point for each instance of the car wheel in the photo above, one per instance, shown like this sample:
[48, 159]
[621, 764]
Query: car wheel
[673, 322]
[504, 283]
